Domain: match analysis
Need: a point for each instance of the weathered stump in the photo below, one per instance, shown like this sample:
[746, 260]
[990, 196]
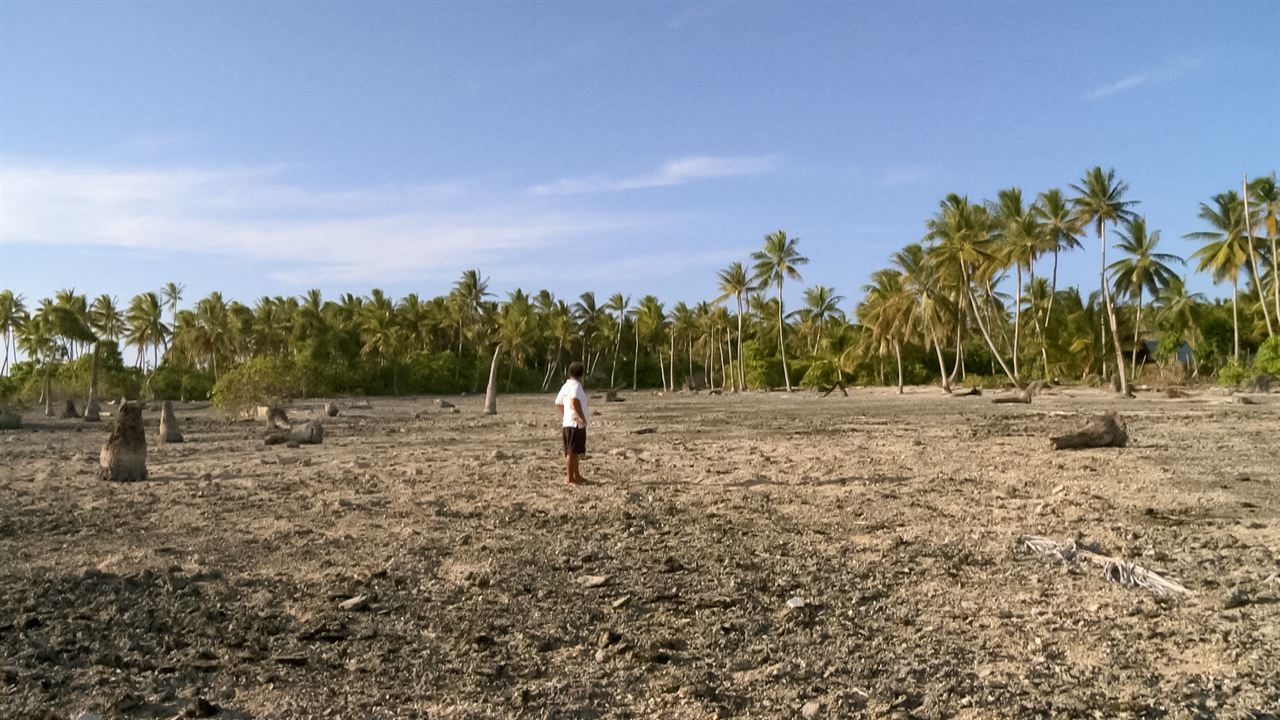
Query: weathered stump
[169, 430]
[69, 410]
[1023, 397]
[331, 409]
[1102, 431]
[308, 433]
[93, 411]
[612, 396]
[124, 456]
[277, 419]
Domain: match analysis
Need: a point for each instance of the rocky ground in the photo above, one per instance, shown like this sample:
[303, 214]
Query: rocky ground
[758, 556]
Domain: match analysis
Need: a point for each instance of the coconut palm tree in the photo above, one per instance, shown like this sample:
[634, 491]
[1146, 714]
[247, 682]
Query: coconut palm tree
[651, 324]
[683, 326]
[774, 263]
[888, 311]
[1061, 227]
[920, 278]
[822, 305]
[146, 327]
[1022, 238]
[1225, 251]
[962, 236]
[619, 305]
[1177, 310]
[1265, 194]
[13, 315]
[38, 340]
[734, 282]
[1143, 270]
[171, 293]
[1100, 200]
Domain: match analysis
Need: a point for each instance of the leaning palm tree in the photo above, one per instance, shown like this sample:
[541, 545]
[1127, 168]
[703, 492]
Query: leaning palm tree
[13, 315]
[1143, 270]
[1225, 251]
[774, 263]
[1100, 200]
[734, 282]
[1265, 194]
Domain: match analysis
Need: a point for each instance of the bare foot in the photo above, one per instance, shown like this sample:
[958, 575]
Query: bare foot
[579, 481]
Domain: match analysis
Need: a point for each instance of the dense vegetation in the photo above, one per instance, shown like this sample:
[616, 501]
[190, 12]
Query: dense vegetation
[942, 312]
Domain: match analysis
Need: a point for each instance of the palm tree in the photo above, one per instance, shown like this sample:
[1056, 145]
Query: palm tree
[683, 325]
[172, 295]
[146, 325]
[13, 315]
[733, 282]
[1022, 238]
[1143, 269]
[1177, 310]
[1061, 228]
[619, 305]
[1265, 194]
[38, 339]
[888, 311]
[1099, 200]
[1224, 252]
[651, 323]
[920, 278]
[822, 305]
[962, 233]
[777, 261]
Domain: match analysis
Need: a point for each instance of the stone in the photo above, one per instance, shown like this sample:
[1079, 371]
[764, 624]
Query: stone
[331, 409]
[607, 638]
[796, 602]
[811, 710]
[499, 455]
[201, 708]
[1237, 598]
[355, 604]
[593, 581]
[169, 430]
[124, 456]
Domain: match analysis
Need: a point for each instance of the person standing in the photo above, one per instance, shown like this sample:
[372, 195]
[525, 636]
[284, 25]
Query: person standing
[572, 404]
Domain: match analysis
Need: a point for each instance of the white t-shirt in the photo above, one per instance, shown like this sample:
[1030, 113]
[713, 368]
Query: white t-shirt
[572, 389]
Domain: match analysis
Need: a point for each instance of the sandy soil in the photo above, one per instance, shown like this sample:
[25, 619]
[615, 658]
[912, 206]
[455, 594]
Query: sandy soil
[890, 523]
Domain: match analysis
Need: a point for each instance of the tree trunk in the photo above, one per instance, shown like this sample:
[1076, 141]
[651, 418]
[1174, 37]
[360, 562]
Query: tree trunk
[673, 359]
[491, 392]
[635, 364]
[1017, 320]
[48, 393]
[169, 430]
[1040, 329]
[1137, 324]
[1235, 314]
[124, 456]
[742, 367]
[942, 365]
[782, 343]
[662, 371]
[897, 355]
[1053, 290]
[617, 348]
[1253, 259]
[724, 374]
[955, 369]
[1111, 315]
[977, 314]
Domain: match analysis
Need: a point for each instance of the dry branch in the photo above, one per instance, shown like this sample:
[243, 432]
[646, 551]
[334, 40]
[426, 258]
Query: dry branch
[1113, 568]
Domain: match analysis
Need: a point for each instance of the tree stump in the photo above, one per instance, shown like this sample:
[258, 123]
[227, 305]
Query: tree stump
[308, 433]
[1102, 431]
[169, 431]
[331, 409]
[10, 420]
[93, 411]
[277, 419]
[69, 410]
[124, 456]
[612, 396]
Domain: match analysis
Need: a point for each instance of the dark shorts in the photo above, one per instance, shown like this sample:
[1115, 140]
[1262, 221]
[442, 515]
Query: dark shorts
[575, 441]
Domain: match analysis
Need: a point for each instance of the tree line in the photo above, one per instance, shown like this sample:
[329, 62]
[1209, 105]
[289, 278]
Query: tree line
[975, 299]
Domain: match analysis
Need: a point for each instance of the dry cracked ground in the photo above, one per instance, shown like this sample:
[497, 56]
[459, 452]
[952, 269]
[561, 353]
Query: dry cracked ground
[757, 556]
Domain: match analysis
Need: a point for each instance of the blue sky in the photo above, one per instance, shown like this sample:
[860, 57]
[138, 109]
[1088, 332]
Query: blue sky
[634, 147]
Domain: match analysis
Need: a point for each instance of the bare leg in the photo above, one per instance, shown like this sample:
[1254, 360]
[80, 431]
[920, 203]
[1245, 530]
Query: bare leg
[577, 470]
[569, 462]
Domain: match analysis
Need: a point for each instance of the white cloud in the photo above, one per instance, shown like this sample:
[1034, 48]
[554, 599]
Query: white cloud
[380, 233]
[672, 172]
[1126, 83]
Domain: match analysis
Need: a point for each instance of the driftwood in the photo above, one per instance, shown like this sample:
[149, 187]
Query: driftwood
[169, 430]
[69, 410]
[1023, 397]
[1113, 568]
[443, 404]
[331, 409]
[968, 392]
[1242, 400]
[308, 433]
[124, 456]
[1102, 431]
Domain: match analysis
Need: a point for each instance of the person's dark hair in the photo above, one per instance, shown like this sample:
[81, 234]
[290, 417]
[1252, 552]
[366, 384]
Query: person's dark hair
[576, 370]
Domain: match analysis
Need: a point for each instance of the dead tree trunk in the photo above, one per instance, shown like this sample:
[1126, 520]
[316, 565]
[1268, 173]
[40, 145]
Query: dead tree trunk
[1103, 431]
[124, 456]
[491, 393]
[69, 410]
[169, 431]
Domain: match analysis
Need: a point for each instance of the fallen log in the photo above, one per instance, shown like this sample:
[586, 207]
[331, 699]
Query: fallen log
[1102, 431]
[1113, 568]
[969, 392]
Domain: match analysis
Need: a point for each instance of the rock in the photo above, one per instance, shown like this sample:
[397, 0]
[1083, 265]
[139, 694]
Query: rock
[331, 409]
[671, 565]
[69, 411]
[607, 638]
[88, 716]
[620, 602]
[169, 430]
[200, 708]
[291, 660]
[124, 456]
[811, 710]
[1237, 598]
[796, 602]
[594, 581]
[1102, 431]
[499, 455]
[612, 396]
[355, 604]
[10, 421]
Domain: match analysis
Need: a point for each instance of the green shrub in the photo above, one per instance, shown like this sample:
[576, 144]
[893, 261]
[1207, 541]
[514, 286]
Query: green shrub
[1232, 375]
[174, 383]
[1267, 362]
[821, 374]
[261, 381]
